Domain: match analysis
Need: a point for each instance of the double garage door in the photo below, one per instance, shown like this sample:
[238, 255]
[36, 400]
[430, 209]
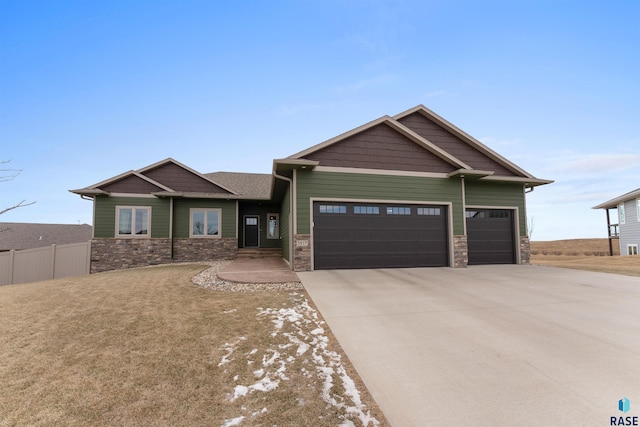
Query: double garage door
[380, 235]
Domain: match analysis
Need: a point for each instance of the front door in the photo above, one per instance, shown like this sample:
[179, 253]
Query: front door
[251, 231]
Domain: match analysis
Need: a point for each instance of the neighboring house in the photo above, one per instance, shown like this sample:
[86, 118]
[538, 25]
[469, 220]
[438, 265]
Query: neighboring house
[410, 190]
[628, 226]
[16, 235]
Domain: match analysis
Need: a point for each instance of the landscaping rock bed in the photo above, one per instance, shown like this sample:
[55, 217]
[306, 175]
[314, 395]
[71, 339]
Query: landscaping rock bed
[208, 279]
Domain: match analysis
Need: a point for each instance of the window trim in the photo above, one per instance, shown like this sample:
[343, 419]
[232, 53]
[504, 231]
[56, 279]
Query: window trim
[205, 236]
[622, 218]
[638, 210]
[133, 215]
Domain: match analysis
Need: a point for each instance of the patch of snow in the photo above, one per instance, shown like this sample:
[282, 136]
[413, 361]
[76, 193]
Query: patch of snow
[232, 422]
[233, 310]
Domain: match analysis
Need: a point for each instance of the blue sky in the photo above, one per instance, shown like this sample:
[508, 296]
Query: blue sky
[89, 90]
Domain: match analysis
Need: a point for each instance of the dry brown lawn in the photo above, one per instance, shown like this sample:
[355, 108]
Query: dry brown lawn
[584, 254]
[147, 347]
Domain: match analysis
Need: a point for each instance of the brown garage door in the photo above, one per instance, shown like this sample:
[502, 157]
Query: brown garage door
[374, 235]
[490, 236]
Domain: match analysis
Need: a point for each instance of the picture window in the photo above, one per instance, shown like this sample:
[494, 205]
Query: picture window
[205, 222]
[133, 221]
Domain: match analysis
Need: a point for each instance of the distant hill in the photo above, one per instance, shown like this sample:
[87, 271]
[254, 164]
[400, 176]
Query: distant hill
[575, 247]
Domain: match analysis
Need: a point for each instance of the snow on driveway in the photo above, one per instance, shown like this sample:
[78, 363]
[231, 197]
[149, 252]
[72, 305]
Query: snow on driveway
[325, 365]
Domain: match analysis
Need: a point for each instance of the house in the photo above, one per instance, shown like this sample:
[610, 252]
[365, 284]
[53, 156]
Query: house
[17, 236]
[628, 227]
[404, 191]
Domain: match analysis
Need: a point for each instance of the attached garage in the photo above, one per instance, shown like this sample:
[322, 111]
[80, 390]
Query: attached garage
[491, 236]
[379, 235]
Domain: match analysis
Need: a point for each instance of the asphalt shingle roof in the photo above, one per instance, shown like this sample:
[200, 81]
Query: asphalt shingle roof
[250, 185]
[17, 235]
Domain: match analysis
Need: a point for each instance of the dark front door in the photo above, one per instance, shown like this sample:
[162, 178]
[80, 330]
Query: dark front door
[491, 236]
[379, 235]
[251, 231]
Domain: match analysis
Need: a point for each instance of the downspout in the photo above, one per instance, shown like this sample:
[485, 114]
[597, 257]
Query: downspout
[290, 181]
[171, 224]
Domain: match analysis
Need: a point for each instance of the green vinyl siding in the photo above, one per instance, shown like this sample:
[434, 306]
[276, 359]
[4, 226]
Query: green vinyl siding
[375, 187]
[105, 214]
[285, 209]
[181, 213]
[489, 194]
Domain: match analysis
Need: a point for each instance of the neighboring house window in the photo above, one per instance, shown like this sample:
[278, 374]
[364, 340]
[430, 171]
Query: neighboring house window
[621, 215]
[632, 249]
[398, 210]
[638, 209]
[205, 222]
[429, 211]
[336, 209]
[133, 221]
[366, 210]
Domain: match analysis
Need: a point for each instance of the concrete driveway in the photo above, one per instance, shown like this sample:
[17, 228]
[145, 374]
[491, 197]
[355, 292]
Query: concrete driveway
[488, 345]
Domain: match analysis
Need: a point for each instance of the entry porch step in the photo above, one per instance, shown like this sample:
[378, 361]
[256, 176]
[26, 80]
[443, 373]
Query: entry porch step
[259, 253]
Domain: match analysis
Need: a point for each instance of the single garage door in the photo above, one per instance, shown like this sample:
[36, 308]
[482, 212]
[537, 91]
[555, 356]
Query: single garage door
[490, 236]
[375, 235]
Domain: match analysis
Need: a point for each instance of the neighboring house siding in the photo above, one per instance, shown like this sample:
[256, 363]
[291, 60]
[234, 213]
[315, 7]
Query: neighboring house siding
[380, 147]
[181, 215]
[630, 230]
[105, 215]
[452, 144]
[375, 187]
[498, 195]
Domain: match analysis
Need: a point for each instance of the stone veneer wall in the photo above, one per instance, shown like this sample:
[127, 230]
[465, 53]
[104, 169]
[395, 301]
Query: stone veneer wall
[460, 251]
[204, 249]
[117, 254]
[525, 250]
[302, 252]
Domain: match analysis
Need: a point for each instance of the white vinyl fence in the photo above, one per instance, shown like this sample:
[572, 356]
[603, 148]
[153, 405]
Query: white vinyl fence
[50, 262]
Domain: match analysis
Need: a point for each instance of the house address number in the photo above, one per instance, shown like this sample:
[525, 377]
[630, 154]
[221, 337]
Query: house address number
[302, 243]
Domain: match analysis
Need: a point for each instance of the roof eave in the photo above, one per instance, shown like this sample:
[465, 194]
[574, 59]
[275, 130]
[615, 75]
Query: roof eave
[613, 203]
[528, 182]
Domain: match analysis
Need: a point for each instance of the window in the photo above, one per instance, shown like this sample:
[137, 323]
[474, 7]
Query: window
[133, 221]
[205, 222]
[638, 209]
[336, 209]
[632, 249]
[398, 210]
[366, 210]
[273, 226]
[621, 215]
[429, 211]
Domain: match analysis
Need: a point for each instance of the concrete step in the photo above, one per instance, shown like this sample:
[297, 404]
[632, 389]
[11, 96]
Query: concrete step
[259, 253]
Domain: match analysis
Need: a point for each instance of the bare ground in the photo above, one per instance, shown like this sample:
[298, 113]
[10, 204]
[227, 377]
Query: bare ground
[584, 254]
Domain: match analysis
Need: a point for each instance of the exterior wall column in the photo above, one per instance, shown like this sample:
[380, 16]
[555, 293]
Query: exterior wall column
[460, 252]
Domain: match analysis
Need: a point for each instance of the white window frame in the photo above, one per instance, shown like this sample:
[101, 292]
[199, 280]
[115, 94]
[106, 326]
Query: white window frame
[638, 210]
[206, 216]
[621, 214]
[632, 249]
[133, 216]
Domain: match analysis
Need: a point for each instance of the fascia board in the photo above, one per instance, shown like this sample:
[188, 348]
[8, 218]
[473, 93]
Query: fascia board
[465, 137]
[339, 137]
[426, 144]
[617, 200]
[529, 182]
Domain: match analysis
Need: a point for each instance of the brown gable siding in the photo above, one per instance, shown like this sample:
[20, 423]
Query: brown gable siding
[380, 147]
[131, 184]
[452, 144]
[179, 179]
